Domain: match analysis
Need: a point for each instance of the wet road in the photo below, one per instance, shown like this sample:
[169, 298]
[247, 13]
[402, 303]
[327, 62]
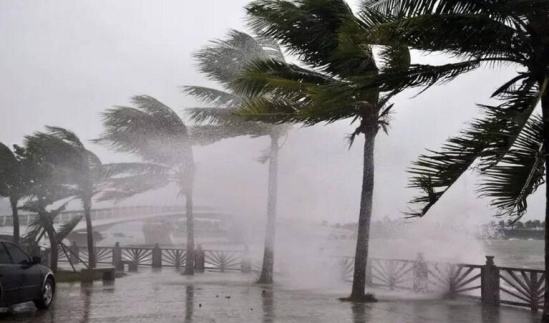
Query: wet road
[167, 296]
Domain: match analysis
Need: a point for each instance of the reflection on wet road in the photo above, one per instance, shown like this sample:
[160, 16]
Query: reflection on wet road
[167, 296]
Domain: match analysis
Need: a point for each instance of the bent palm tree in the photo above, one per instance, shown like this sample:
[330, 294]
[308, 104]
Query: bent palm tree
[46, 189]
[81, 168]
[223, 62]
[497, 32]
[159, 136]
[322, 34]
[14, 183]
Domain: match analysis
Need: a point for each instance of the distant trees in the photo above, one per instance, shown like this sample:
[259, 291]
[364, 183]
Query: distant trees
[530, 224]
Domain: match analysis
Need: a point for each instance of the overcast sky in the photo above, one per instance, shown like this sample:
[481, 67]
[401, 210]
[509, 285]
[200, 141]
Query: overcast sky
[63, 62]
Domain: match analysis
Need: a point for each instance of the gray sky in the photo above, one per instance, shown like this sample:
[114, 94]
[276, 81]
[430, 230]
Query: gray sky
[63, 62]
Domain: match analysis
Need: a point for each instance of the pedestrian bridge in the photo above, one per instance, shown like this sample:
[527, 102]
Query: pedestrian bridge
[105, 217]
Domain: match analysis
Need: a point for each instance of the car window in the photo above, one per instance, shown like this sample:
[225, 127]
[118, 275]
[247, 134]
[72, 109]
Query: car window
[17, 255]
[4, 257]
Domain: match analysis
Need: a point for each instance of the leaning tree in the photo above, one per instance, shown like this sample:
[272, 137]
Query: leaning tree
[79, 167]
[335, 85]
[159, 136]
[46, 191]
[508, 143]
[223, 61]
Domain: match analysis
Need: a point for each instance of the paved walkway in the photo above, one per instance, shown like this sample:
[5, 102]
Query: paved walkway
[167, 296]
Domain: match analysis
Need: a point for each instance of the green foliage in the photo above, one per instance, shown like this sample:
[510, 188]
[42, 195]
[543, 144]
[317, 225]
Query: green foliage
[504, 144]
[520, 172]
[487, 141]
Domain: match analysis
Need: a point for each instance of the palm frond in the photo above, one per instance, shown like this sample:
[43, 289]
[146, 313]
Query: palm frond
[314, 30]
[518, 174]
[223, 60]
[151, 130]
[212, 96]
[66, 228]
[500, 10]
[418, 75]
[487, 141]
[476, 37]
[273, 77]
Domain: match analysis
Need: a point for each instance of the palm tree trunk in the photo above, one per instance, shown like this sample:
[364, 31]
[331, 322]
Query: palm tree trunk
[270, 230]
[365, 215]
[545, 114]
[15, 216]
[54, 251]
[87, 201]
[189, 263]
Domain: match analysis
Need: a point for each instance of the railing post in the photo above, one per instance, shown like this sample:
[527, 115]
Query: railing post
[533, 299]
[156, 257]
[421, 274]
[75, 253]
[199, 259]
[490, 282]
[245, 264]
[117, 257]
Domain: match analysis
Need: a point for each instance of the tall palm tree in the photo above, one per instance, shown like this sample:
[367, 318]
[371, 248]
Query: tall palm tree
[323, 35]
[223, 61]
[159, 136]
[14, 183]
[494, 32]
[81, 168]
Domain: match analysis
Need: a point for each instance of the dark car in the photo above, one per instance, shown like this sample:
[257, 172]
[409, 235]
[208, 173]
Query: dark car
[23, 278]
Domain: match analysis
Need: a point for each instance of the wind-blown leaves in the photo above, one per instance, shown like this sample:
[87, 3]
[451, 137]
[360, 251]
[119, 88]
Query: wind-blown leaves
[129, 179]
[213, 96]
[487, 141]
[224, 61]
[150, 129]
[12, 175]
[519, 173]
[311, 29]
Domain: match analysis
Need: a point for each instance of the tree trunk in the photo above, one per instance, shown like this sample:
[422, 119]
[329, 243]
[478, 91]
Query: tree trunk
[15, 216]
[365, 215]
[54, 251]
[87, 202]
[189, 262]
[270, 230]
[545, 114]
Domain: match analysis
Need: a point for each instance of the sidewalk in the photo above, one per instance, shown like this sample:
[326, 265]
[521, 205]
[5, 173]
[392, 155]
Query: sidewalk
[167, 296]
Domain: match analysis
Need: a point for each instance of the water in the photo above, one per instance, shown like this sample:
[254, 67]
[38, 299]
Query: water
[516, 253]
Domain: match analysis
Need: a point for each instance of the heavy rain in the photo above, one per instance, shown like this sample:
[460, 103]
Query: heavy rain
[274, 161]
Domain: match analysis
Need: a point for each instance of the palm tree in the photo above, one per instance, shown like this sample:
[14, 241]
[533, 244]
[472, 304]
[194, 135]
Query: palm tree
[81, 168]
[223, 61]
[323, 35]
[159, 136]
[509, 142]
[14, 183]
[45, 190]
